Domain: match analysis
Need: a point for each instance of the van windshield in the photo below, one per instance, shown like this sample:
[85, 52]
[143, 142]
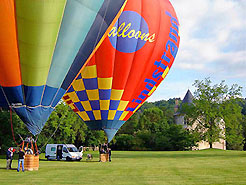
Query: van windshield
[72, 149]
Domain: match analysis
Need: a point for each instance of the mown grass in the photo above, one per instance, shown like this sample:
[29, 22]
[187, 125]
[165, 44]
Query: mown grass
[133, 168]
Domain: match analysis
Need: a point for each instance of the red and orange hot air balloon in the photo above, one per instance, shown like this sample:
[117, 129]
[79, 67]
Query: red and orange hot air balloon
[128, 67]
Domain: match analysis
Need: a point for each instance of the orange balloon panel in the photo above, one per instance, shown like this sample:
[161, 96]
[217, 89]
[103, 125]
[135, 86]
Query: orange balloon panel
[9, 63]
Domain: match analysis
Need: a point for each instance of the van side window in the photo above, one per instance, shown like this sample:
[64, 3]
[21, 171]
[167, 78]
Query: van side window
[53, 149]
[65, 149]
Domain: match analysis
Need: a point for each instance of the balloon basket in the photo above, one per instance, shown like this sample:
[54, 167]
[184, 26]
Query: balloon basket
[104, 157]
[36, 162]
[31, 162]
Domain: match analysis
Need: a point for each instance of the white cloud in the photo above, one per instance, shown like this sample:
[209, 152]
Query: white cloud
[233, 63]
[213, 33]
[212, 44]
[169, 89]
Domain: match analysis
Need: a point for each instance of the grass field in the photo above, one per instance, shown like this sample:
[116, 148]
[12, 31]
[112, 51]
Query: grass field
[189, 167]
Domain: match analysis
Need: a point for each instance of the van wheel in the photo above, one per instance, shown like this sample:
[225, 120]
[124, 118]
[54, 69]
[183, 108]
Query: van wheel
[48, 158]
[68, 159]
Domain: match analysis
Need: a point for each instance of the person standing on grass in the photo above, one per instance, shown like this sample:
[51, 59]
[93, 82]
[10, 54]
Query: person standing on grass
[9, 157]
[12, 150]
[109, 154]
[21, 160]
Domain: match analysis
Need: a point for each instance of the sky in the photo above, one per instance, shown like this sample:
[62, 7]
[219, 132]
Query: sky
[212, 44]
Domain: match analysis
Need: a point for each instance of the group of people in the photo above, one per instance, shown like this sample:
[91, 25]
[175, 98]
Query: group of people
[21, 157]
[104, 149]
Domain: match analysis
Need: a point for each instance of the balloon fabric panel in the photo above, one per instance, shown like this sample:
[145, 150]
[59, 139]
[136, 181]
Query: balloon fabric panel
[128, 66]
[108, 13]
[73, 32]
[41, 39]
[9, 74]
[38, 24]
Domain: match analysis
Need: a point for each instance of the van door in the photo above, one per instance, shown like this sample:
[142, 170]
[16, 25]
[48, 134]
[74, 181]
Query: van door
[52, 152]
[66, 153]
[59, 152]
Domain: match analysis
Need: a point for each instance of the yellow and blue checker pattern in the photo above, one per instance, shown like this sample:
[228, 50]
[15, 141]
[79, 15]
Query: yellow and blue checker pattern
[93, 98]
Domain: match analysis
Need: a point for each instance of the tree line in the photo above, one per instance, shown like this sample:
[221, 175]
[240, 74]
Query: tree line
[152, 127]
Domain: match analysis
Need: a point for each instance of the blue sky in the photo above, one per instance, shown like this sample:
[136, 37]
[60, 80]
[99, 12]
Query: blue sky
[212, 44]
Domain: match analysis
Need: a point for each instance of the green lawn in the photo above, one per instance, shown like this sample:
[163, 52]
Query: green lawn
[191, 167]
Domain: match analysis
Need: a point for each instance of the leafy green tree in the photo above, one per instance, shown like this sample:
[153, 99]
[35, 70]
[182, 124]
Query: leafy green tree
[242, 104]
[234, 129]
[174, 137]
[146, 105]
[6, 137]
[145, 140]
[124, 142]
[131, 126]
[244, 131]
[94, 137]
[151, 119]
[168, 114]
[63, 126]
[210, 109]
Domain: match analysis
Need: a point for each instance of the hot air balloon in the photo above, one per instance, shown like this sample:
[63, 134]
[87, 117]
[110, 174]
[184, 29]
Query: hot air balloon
[43, 45]
[128, 67]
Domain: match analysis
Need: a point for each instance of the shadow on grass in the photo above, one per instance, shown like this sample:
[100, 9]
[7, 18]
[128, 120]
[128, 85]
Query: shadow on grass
[2, 168]
[63, 161]
[196, 154]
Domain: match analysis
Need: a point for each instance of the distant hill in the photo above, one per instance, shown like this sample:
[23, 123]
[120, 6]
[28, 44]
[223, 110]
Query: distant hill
[167, 104]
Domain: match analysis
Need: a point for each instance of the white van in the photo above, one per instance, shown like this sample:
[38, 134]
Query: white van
[63, 152]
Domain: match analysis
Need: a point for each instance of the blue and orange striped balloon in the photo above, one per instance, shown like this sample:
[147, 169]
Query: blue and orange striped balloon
[43, 46]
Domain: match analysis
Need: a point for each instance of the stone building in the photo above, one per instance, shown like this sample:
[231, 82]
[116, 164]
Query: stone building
[180, 120]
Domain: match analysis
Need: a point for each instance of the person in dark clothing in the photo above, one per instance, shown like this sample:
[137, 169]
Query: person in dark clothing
[59, 152]
[105, 147]
[109, 154]
[21, 160]
[9, 157]
[12, 150]
[100, 149]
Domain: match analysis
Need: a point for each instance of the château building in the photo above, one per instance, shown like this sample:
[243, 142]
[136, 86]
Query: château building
[180, 120]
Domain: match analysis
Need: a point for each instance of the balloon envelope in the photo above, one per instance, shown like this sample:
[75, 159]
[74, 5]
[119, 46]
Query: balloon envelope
[128, 66]
[43, 45]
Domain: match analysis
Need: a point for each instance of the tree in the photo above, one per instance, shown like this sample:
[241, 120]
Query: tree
[242, 104]
[6, 138]
[130, 127]
[151, 119]
[179, 138]
[65, 125]
[234, 128]
[211, 110]
[124, 142]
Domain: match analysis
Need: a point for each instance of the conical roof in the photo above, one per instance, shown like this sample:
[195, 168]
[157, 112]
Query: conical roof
[188, 98]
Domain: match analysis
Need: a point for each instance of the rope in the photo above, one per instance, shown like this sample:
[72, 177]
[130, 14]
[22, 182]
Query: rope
[12, 129]
[36, 147]
[51, 135]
